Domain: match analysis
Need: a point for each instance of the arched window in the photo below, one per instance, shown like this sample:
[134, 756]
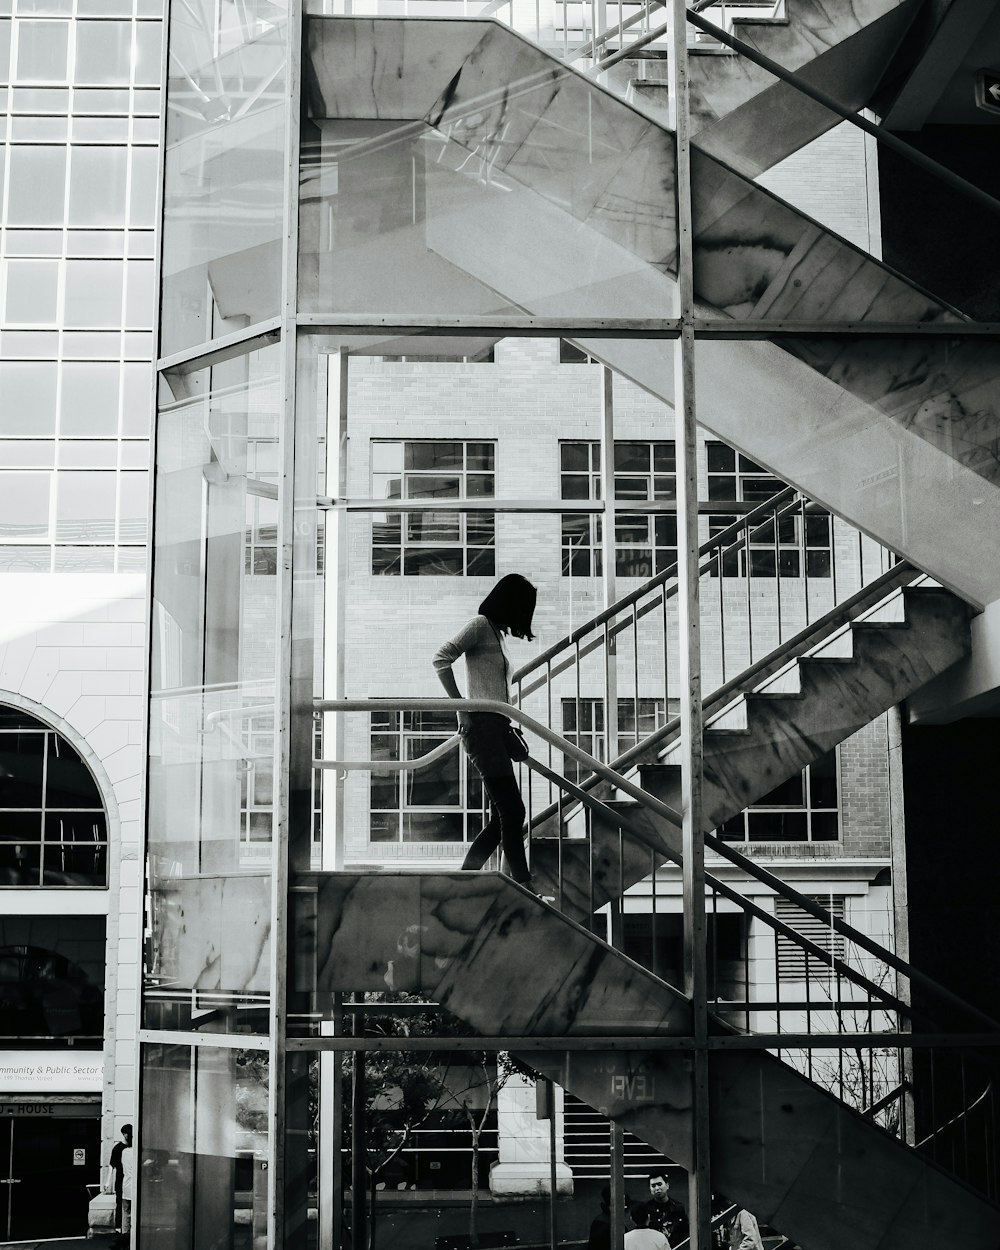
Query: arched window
[53, 828]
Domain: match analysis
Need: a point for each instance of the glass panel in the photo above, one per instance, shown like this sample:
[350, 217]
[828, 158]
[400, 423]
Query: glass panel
[97, 186]
[24, 505]
[36, 186]
[27, 397]
[32, 291]
[93, 293]
[89, 398]
[215, 650]
[52, 971]
[103, 52]
[41, 51]
[487, 207]
[224, 169]
[203, 1172]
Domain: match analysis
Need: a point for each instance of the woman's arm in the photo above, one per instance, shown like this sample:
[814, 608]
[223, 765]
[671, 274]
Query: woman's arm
[445, 657]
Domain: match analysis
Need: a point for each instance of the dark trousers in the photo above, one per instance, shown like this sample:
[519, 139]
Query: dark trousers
[485, 743]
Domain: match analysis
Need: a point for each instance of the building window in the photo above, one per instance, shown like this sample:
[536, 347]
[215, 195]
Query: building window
[260, 553]
[433, 543]
[52, 980]
[442, 803]
[804, 809]
[734, 478]
[53, 831]
[645, 543]
[793, 962]
[583, 725]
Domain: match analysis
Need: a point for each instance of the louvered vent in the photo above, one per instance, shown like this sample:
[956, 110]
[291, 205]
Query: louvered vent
[791, 958]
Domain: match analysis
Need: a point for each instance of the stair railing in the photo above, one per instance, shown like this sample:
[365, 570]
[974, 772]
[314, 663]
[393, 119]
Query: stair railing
[661, 849]
[766, 577]
[833, 999]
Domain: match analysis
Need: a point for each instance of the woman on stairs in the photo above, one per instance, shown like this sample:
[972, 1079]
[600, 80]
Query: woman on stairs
[507, 609]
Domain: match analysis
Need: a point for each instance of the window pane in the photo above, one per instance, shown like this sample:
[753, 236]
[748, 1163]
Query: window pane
[36, 186]
[387, 457]
[148, 36]
[574, 456]
[142, 193]
[137, 400]
[139, 294]
[27, 397]
[94, 293]
[32, 291]
[434, 527]
[721, 459]
[433, 456]
[85, 507]
[22, 757]
[632, 457]
[103, 52]
[24, 505]
[133, 502]
[419, 562]
[480, 456]
[431, 486]
[97, 186]
[89, 398]
[41, 51]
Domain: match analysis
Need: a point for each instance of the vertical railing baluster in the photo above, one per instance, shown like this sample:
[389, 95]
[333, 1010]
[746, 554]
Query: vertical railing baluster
[777, 573]
[722, 614]
[806, 609]
[747, 563]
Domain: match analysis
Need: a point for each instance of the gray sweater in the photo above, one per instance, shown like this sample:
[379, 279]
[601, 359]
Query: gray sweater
[485, 660]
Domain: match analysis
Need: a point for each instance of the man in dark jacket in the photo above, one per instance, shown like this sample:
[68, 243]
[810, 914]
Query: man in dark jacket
[667, 1214]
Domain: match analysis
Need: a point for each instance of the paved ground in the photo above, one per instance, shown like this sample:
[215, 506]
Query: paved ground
[61, 1243]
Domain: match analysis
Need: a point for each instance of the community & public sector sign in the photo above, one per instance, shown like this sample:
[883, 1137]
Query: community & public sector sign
[51, 1071]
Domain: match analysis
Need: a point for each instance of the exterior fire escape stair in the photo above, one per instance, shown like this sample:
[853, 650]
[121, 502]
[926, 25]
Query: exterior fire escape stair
[509, 965]
[763, 737]
[540, 193]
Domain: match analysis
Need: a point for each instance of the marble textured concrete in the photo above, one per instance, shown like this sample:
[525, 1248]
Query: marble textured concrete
[750, 119]
[503, 961]
[536, 190]
[784, 733]
[479, 945]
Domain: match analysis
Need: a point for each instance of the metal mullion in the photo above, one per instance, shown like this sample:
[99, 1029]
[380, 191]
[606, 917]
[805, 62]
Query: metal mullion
[724, 328]
[428, 326]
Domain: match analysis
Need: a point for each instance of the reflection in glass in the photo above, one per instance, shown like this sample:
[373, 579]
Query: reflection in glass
[223, 190]
[215, 649]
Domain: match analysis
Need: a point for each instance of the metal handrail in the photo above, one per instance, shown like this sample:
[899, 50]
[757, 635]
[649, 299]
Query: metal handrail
[647, 838]
[661, 847]
[711, 547]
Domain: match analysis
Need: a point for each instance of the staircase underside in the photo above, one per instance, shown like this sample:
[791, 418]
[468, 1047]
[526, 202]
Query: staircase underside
[506, 963]
[525, 208]
[752, 120]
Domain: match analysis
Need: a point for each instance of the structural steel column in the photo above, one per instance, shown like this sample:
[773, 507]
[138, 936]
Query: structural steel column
[608, 580]
[695, 925]
[288, 700]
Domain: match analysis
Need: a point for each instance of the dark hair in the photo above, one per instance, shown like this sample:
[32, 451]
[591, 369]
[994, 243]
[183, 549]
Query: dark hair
[661, 1174]
[126, 1128]
[641, 1213]
[511, 605]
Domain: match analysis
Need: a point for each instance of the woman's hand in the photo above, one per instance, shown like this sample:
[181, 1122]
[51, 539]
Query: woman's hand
[464, 721]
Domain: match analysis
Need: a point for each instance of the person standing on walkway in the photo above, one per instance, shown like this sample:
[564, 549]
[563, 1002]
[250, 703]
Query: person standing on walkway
[642, 1237]
[667, 1213]
[113, 1183]
[507, 609]
[744, 1232]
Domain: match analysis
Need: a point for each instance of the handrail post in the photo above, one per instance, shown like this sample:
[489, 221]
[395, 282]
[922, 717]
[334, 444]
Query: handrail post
[608, 581]
[692, 751]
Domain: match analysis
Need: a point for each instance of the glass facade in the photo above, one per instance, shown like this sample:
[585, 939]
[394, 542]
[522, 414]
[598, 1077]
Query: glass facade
[417, 332]
[80, 132]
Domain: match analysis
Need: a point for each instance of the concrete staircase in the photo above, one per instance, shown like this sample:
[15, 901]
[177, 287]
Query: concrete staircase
[509, 965]
[541, 193]
[751, 120]
[763, 736]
